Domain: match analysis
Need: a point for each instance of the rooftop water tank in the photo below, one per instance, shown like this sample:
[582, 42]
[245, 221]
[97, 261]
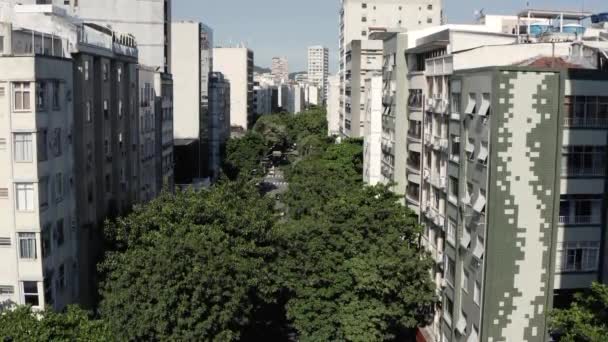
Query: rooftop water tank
[537, 29]
[574, 28]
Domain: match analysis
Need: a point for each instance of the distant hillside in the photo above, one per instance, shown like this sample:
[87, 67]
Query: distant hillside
[260, 70]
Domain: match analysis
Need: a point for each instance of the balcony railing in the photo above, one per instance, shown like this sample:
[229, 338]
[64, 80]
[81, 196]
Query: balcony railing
[593, 219]
[584, 171]
[586, 122]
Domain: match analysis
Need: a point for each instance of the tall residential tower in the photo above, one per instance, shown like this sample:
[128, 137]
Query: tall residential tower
[318, 68]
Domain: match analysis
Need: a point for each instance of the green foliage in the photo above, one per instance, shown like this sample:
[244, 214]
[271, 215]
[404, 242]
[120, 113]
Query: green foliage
[190, 267]
[22, 324]
[586, 319]
[273, 128]
[243, 155]
[350, 259]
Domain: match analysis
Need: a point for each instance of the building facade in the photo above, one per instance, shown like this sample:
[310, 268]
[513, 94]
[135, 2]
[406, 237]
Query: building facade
[372, 142]
[318, 68]
[219, 114]
[333, 105]
[280, 70]
[236, 64]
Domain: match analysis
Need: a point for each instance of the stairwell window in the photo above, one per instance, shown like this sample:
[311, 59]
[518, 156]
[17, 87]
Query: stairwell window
[41, 95]
[22, 96]
[23, 148]
[27, 245]
[24, 196]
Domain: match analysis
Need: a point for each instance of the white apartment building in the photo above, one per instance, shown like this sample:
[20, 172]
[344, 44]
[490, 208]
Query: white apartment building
[318, 68]
[57, 135]
[280, 70]
[148, 21]
[237, 66]
[333, 105]
[372, 142]
[358, 18]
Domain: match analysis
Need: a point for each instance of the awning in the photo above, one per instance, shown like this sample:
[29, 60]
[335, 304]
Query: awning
[415, 147]
[465, 239]
[485, 107]
[480, 204]
[471, 106]
[470, 147]
[461, 326]
[483, 154]
[414, 178]
[473, 337]
[415, 116]
[479, 249]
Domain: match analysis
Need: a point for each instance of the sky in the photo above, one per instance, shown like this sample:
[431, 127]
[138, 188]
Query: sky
[287, 27]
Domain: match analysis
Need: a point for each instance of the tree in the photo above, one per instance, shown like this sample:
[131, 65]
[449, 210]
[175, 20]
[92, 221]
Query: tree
[354, 269]
[243, 155]
[22, 324]
[273, 129]
[194, 266]
[586, 319]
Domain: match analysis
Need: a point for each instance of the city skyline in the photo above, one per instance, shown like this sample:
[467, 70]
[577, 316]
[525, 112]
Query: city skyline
[255, 24]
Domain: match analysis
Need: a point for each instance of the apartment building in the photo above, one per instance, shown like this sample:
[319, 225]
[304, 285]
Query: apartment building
[38, 237]
[358, 18]
[280, 70]
[236, 63]
[148, 21]
[219, 114]
[363, 59]
[372, 142]
[192, 45]
[72, 138]
[148, 128]
[262, 99]
[333, 105]
[318, 68]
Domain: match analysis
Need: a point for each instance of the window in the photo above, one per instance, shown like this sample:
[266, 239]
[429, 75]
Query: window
[24, 196]
[465, 280]
[88, 116]
[56, 142]
[22, 96]
[583, 161]
[477, 293]
[470, 148]
[578, 256]
[120, 108]
[41, 96]
[48, 289]
[43, 192]
[41, 141]
[586, 111]
[61, 278]
[105, 71]
[429, 20]
[363, 5]
[47, 246]
[482, 157]
[580, 209]
[449, 271]
[455, 99]
[6, 290]
[453, 193]
[27, 245]
[363, 19]
[119, 74]
[56, 89]
[23, 147]
[30, 293]
[106, 113]
[451, 238]
[429, 7]
[86, 70]
[59, 233]
[108, 184]
[448, 309]
[58, 182]
[364, 33]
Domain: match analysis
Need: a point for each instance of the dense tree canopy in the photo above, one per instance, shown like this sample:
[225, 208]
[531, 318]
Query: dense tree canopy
[21, 324]
[586, 319]
[243, 155]
[190, 266]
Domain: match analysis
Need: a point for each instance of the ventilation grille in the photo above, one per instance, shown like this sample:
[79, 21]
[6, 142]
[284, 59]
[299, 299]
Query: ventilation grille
[3, 192]
[2, 144]
[5, 241]
[6, 290]
[2, 91]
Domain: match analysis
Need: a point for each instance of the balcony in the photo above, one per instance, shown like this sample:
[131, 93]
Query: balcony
[413, 197]
[428, 139]
[443, 65]
[414, 135]
[582, 122]
[568, 220]
[430, 104]
[439, 182]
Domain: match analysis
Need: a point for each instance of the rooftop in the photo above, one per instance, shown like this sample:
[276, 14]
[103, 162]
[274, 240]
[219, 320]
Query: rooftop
[552, 14]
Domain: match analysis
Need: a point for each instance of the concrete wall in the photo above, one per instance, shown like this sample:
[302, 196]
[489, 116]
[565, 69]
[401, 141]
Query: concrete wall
[233, 63]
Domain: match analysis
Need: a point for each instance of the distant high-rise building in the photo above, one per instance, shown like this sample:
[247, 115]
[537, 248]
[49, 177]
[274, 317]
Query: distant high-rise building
[236, 63]
[192, 65]
[318, 68]
[280, 70]
[333, 105]
[358, 18]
